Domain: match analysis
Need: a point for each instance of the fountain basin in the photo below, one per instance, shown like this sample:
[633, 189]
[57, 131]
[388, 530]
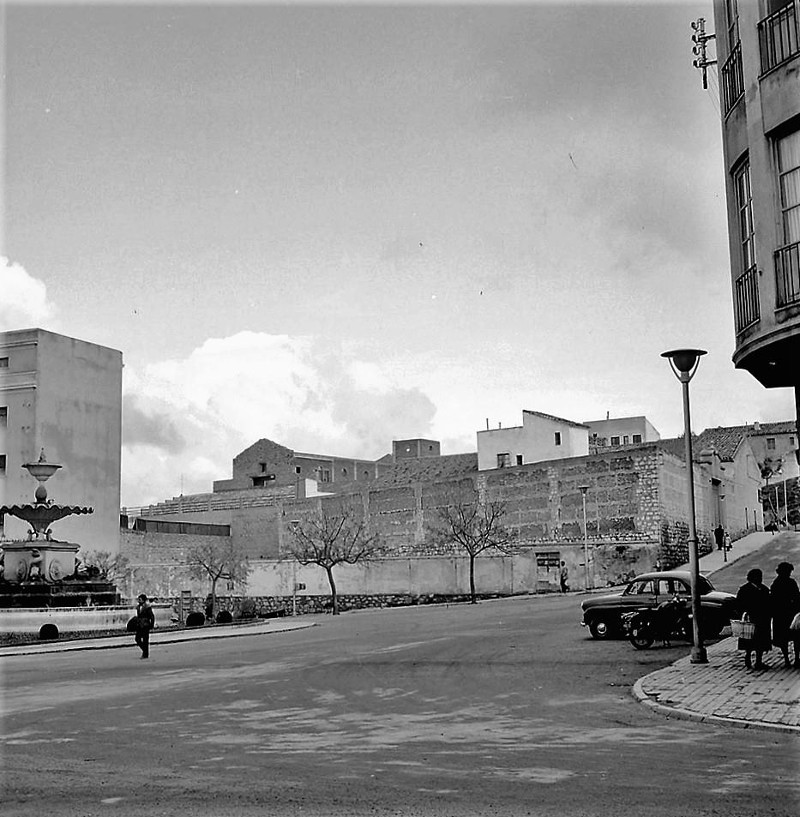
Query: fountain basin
[76, 619]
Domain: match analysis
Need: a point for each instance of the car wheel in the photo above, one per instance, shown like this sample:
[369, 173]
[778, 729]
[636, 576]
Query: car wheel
[600, 629]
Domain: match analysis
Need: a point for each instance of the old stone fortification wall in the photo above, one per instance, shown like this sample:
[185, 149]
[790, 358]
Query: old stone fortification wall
[635, 518]
[673, 492]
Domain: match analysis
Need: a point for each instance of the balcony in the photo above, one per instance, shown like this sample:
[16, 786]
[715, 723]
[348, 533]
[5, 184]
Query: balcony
[778, 36]
[787, 274]
[732, 79]
[745, 299]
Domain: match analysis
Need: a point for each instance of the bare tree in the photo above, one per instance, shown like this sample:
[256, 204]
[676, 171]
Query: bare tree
[214, 560]
[332, 535]
[106, 566]
[474, 525]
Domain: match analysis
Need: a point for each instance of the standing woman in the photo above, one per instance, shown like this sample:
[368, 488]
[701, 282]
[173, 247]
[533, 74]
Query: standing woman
[753, 598]
[785, 604]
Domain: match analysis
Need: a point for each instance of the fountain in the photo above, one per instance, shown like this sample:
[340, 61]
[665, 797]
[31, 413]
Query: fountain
[41, 586]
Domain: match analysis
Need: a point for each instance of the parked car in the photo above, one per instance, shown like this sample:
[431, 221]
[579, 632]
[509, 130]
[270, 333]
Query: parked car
[602, 614]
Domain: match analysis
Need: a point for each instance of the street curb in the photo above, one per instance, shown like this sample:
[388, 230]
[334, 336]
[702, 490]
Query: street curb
[719, 720]
[116, 642]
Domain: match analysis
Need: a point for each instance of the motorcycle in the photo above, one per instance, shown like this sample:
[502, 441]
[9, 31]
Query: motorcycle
[671, 620]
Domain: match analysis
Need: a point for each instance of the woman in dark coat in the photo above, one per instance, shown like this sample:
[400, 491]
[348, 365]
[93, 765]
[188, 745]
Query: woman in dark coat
[785, 596]
[753, 598]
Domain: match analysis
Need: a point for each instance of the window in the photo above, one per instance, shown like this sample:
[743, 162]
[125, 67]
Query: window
[615, 441]
[732, 16]
[519, 459]
[625, 440]
[746, 301]
[2, 463]
[344, 472]
[770, 443]
[263, 467]
[778, 35]
[791, 442]
[503, 460]
[637, 438]
[3, 362]
[557, 436]
[324, 475]
[787, 258]
[297, 469]
[3, 416]
[744, 207]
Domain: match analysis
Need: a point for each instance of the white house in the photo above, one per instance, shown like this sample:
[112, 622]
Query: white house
[540, 437]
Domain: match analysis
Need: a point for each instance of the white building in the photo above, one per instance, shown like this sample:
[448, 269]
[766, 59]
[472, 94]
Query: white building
[616, 431]
[540, 437]
[64, 396]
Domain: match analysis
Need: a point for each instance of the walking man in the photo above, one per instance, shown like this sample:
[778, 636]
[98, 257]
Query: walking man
[145, 621]
[563, 577]
[719, 536]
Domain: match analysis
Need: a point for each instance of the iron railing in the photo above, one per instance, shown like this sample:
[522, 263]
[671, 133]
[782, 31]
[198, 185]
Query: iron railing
[732, 78]
[787, 274]
[779, 36]
[746, 303]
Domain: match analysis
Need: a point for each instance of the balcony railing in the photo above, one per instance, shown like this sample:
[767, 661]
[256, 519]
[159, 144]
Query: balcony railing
[732, 78]
[746, 302]
[787, 274]
[778, 36]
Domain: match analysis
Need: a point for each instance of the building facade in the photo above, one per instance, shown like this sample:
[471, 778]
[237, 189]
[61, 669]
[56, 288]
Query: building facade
[64, 396]
[617, 431]
[540, 437]
[758, 53]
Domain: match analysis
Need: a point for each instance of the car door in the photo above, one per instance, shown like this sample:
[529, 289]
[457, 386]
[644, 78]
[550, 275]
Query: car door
[639, 593]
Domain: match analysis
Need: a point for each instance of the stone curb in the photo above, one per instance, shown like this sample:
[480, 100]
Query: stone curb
[688, 715]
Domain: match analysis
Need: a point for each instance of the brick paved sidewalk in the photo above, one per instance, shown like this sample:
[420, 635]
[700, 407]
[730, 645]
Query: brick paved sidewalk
[724, 691]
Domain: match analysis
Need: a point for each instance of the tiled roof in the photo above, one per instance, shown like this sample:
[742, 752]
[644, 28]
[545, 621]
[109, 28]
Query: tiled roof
[554, 418]
[726, 439]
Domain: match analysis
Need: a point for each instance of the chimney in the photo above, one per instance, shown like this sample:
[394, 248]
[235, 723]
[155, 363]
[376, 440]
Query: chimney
[756, 426]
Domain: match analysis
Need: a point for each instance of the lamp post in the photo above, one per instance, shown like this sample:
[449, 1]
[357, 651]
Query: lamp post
[684, 364]
[583, 489]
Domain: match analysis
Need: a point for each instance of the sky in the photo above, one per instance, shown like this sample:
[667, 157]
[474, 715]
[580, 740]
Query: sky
[335, 226]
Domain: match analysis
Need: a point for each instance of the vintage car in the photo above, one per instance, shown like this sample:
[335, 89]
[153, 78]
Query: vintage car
[602, 614]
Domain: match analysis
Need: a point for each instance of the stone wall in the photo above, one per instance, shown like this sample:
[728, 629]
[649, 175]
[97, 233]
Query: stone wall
[636, 511]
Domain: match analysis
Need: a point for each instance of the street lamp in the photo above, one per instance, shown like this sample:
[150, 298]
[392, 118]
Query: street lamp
[583, 489]
[684, 364]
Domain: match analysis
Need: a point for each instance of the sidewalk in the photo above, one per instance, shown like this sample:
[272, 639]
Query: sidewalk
[263, 627]
[723, 691]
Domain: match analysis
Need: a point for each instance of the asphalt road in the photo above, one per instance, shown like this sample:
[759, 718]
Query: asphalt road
[501, 708]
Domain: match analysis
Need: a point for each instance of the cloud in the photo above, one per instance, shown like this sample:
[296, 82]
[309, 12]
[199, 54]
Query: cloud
[152, 428]
[186, 419]
[24, 303]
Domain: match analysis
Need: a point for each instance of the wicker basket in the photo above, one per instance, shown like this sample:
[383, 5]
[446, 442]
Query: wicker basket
[743, 629]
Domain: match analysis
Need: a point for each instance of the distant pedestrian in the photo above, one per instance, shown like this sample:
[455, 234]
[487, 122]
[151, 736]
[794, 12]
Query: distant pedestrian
[563, 577]
[145, 621]
[785, 596]
[728, 541]
[753, 599]
[719, 536]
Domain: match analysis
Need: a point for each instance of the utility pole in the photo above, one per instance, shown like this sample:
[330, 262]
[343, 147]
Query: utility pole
[700, 38]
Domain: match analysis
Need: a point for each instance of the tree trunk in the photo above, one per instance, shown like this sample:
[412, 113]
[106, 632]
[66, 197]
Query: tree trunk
[213, 615]
[472, 597]
[334, 597]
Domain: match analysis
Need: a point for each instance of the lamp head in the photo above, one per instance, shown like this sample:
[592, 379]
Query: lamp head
[684, 361]
[583, 489]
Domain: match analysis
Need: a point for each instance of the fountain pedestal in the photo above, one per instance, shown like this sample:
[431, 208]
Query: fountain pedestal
[32, 560]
